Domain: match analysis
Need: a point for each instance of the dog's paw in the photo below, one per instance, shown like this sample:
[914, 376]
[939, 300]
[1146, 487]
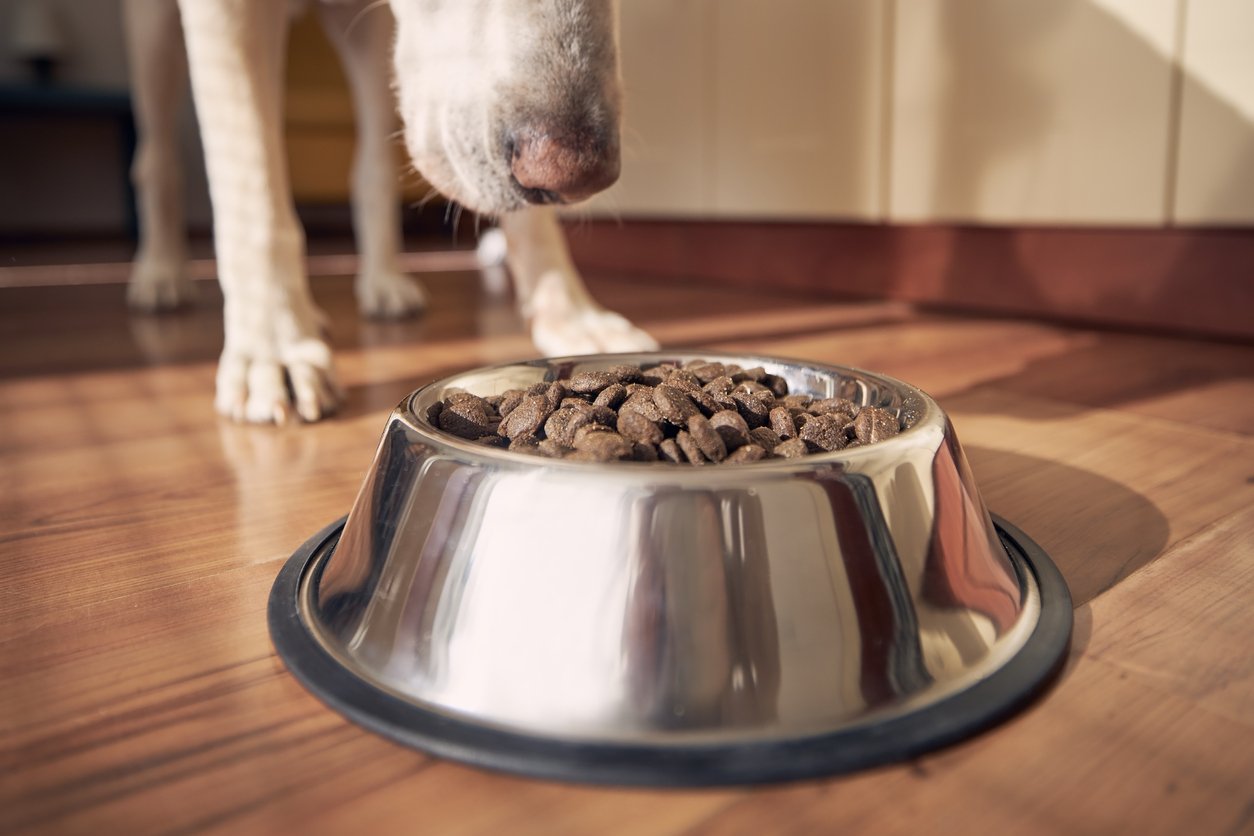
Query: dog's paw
[588, 331]
[389, 295]
[490, 253]
[159, 287]
[492, 248]
[301, 382]
[565, 320]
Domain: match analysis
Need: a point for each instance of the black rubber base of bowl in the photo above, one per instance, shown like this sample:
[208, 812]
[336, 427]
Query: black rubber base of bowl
[897, 738]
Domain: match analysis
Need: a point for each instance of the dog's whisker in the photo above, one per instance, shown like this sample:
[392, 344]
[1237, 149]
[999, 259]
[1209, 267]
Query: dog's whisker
[431, 195]
[352, 24]
[457, 217]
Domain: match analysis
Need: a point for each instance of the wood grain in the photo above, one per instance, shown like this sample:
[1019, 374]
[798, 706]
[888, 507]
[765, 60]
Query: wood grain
[141, 536]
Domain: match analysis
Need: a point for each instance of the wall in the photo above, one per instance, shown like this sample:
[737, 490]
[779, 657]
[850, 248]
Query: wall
[1120, 112]
[1103, 112]
[67, 175]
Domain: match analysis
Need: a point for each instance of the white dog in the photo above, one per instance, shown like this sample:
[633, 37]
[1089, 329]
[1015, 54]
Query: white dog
[509, 106]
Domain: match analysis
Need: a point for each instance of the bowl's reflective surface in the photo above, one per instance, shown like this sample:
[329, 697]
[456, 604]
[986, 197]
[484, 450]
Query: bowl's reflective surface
[670, 604]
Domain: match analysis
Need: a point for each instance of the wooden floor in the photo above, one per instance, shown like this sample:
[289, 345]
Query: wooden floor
[140, 692]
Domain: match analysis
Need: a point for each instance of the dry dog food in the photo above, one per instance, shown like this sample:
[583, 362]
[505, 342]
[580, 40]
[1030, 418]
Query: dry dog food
[698, 413]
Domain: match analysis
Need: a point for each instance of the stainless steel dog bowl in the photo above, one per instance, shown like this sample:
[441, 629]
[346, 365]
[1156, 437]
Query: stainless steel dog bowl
[668, 624]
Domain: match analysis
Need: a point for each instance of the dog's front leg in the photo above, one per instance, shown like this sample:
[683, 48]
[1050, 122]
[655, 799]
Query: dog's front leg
[362, 33]
[563, 316]
[158, 70]
[274, 354]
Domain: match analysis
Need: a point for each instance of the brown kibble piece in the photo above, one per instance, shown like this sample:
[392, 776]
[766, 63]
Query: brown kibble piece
[731, 428]
[834, 406]
[522, 444]
[706, 372]
[682, 379]
[755, 374]
[707, 438]
[602, 415]
[642, 402]
[692, 451]
[611, 396]
[719, 391]
[793, 448]
[433, 413]
[553, 449]
[510, 399]
[752, 408]
[636, 427]
[874, 424]
[720, 386]
[675, 406]
[650, 377]
[782, 422]
[747, 453]
[705, 402]
[553, 391]
[562, 425]
[641, 452]
[624, 373]
[527, 418]
[796, 401]
[777, 385]
[764, 437]
[589, 383]
[588, 429]
[670, 451]
[752, 387]
[467, 416]
[824, 433]
[604, 445]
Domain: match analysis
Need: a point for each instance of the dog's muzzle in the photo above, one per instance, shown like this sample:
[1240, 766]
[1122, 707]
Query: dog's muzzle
[554, 167]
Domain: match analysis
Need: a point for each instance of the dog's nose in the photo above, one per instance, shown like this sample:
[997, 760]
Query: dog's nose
[551, 167]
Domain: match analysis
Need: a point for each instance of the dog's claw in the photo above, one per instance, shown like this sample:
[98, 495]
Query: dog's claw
[312, 394]
[271, 392]
[388, 295]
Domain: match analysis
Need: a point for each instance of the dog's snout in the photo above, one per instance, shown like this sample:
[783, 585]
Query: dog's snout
[555, 167]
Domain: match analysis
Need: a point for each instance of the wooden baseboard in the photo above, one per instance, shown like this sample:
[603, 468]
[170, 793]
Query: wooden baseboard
[1197, 281]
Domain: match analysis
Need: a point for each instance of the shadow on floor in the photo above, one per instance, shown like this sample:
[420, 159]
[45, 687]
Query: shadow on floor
[1046, 499]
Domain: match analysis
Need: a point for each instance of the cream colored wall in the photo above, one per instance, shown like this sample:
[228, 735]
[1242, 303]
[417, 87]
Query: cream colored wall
[1215, 181]
[1118, 112]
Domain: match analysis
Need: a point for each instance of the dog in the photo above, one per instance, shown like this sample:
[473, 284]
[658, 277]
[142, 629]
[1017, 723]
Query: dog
[510, 107]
